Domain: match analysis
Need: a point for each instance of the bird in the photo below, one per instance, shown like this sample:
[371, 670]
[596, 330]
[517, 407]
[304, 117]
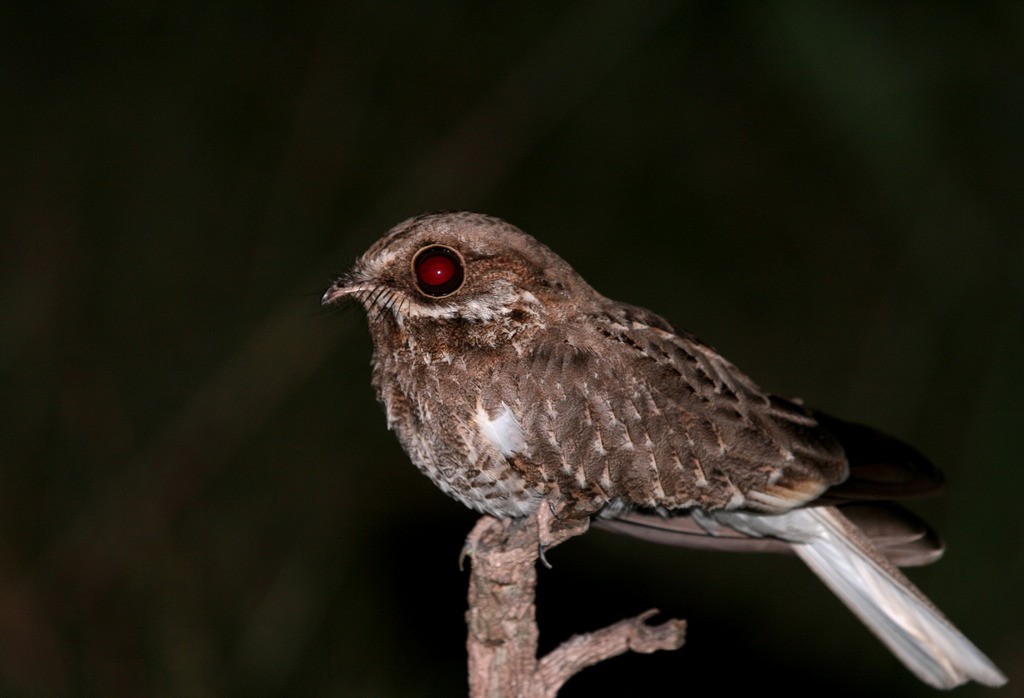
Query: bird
[513, 384]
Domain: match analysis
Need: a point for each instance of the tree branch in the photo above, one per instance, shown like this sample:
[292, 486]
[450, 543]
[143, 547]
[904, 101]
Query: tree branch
[502, 621]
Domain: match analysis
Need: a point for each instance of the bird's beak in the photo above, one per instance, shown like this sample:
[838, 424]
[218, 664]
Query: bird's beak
[346, 285]
[337, 290]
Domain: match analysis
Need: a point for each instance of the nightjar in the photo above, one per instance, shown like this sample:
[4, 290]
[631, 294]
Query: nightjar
[513, 384]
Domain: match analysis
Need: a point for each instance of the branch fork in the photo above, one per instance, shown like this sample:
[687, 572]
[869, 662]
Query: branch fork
[502, 622]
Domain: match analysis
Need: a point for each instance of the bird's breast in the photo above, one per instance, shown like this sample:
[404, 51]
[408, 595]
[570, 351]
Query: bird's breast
[470, 444]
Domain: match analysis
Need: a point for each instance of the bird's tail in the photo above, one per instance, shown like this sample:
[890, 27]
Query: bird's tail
[878, 593]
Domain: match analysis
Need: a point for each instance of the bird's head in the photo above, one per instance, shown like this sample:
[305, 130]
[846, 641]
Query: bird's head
[462, 267]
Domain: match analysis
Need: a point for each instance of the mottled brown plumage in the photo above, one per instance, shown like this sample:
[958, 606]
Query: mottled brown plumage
[614, 404]
[513, 384]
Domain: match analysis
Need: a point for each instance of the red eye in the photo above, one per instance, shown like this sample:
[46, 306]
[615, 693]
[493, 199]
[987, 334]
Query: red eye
[439, 271]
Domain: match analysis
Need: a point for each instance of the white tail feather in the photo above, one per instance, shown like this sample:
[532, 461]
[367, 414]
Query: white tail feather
[878, 593]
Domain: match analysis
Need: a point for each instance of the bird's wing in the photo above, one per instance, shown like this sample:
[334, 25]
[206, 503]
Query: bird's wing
[882, 468]
[694, 426]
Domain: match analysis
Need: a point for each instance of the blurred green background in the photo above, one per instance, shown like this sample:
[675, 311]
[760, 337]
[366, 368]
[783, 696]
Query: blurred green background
[198, 495]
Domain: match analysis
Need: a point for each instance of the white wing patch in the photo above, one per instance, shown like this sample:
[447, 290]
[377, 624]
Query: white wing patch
[503, 432]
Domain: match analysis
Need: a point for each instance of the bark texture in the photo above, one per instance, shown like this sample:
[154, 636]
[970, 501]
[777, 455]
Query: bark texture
[503, 631]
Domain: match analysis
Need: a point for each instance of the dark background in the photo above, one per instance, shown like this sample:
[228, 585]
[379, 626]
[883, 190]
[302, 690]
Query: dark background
[198, 495]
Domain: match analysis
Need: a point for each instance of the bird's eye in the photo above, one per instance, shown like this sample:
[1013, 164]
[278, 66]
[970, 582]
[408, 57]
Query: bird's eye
[438, 271]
